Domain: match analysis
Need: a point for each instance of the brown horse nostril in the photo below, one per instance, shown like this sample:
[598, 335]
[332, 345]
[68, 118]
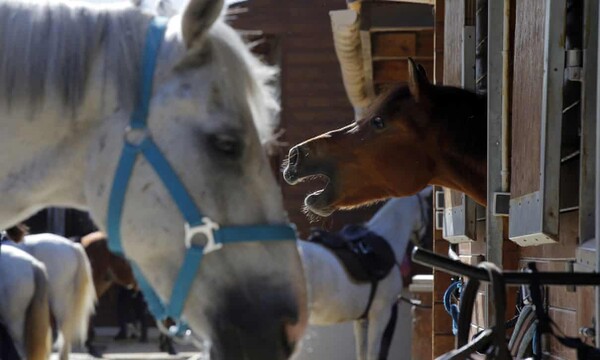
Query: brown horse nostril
[294, 156]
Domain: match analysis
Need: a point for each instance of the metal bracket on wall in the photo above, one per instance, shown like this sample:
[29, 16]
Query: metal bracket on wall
[526, 225]
[459, 222]
[501, 204]
[586, 256]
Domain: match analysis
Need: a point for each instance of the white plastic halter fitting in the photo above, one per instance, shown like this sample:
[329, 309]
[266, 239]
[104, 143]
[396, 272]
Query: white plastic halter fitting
[207, 228]
[135, 136]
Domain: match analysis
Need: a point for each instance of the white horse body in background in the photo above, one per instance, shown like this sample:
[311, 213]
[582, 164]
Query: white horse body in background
[334, 297]
[24, 309]
[71, 287]
[69, 80]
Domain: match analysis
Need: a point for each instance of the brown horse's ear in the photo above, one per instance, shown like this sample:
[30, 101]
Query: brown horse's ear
[417, 80]
[423, 72]
[198, 17]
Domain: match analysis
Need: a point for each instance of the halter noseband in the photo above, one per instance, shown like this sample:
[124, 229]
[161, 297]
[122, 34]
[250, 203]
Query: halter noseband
[137, 141]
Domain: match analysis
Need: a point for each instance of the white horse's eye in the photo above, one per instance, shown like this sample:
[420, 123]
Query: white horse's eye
[226, 144]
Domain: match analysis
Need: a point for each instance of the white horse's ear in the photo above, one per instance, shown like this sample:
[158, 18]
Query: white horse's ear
[197, 19]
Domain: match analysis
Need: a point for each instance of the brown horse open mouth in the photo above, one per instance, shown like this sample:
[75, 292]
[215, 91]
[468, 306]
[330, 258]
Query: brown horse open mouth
[319, 202]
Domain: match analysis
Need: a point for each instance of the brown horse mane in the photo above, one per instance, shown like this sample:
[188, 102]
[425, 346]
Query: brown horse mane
[463, 116]
[460, 113]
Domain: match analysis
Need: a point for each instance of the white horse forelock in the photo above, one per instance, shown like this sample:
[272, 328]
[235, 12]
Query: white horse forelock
[47, 49]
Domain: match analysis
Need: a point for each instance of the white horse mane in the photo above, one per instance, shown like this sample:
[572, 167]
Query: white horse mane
[48, 47]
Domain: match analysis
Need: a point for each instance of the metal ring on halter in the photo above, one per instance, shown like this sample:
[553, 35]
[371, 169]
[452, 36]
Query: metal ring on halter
[183, 339]
[207, 228]
[188, 338]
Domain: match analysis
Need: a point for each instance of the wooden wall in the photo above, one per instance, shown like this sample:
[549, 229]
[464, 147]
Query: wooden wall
[570, 308]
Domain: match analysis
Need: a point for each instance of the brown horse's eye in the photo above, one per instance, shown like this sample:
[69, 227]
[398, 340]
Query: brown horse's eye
[378, 122]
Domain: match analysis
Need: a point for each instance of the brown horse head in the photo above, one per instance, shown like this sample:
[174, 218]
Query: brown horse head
[17, 233]
[411, 136]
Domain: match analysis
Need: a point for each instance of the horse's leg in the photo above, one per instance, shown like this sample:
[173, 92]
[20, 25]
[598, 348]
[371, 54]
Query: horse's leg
[65, 350]
[382, 316]
[360, 336]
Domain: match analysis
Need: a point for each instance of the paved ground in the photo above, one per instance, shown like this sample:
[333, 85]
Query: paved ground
[131, 349]
[320, 343]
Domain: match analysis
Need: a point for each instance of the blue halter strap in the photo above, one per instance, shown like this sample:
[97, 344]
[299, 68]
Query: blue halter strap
[138, 142]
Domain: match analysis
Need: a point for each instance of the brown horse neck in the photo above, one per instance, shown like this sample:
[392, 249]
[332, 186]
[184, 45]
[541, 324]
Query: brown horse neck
[464, 174]
[462, 141]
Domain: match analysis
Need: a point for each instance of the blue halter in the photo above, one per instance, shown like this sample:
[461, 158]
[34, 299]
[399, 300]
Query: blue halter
[139, 142]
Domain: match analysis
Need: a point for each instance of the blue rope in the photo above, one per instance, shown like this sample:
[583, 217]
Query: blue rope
[451, 308]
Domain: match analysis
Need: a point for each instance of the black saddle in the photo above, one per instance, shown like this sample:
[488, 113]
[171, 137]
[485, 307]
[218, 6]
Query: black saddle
[366, 256]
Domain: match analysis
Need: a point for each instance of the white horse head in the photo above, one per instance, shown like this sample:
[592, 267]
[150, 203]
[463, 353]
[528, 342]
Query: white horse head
[69, 78]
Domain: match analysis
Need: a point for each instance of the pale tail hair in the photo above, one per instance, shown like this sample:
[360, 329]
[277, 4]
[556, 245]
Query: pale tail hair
[37, 318]
[82, 304]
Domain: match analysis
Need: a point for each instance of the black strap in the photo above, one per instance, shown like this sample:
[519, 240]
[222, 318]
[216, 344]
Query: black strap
[388, 334]
[365, 313]
[584, 351]
[467, 301]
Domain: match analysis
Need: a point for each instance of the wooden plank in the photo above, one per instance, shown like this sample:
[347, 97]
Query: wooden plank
[567, 241]
[438, 42]
[527, 97]
[565, 321]
[443, 320]
[585, 308]
[387, 71]
[427, 2]
[559, 297]
[365, 41]
[453, 29]
[442, 344]
[536, 214]
[394, 44]
[421, 329]
[425, 45]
